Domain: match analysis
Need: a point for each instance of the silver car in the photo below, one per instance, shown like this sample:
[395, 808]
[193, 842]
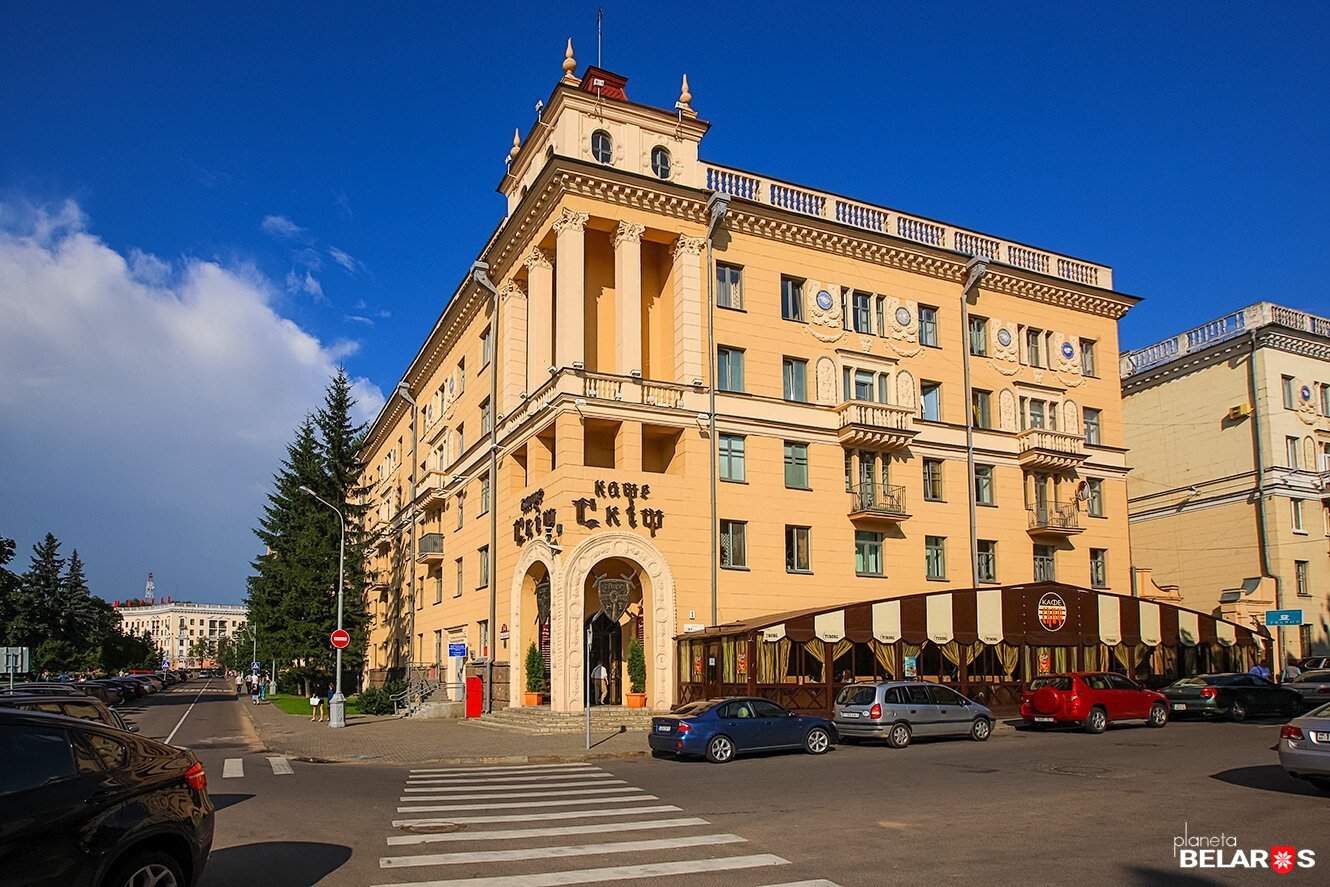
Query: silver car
[897, 711]
[1312, 686]
[1304, 747]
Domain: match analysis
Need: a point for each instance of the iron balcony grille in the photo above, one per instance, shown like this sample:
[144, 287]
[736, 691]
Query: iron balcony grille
[1054, 517]
[878, 498]
[431, 543]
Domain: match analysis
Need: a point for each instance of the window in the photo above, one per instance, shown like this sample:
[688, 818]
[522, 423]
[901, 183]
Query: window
[863, 312]
[438, 587]
[987, 557]
[729, 286]
[798, 558]
[981, 409]
[1094, 498]
[460, 519]
[1295, 506]
[733, 543]
[1036, 414]
[1325, 399]
[1291, 452]
[930, 400]
[1303, 584]
[1034, 350]
[461, 375]
[881, 315]
[461, 440]
[484, 575]
[729, 369]
[1286, 387]
[928, 326]
[660, 162]
[484, 495]
[794, 379]
[458, 593]
[792, 299]
[1098, 568]
[486, 348]
[1043, 564]
[983, 485]
[732, 458]
[933, 480]
[796, 465]
[1091, 422]
[935, 557]
[438, 646]
[602, 148]
[862, 384]
[1089, 366]
[486, 419]
[34, 756]
[484, 626]
[867, 553]
[979, 336]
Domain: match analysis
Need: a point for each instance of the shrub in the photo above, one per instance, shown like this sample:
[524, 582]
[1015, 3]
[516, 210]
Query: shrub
[535, 670]
[376, 701]
[637, 667]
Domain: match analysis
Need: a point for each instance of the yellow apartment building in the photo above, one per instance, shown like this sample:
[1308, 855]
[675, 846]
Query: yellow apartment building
[673, 394]
[1228, 428]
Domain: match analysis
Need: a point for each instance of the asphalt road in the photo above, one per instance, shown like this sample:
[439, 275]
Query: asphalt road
[1034, 808]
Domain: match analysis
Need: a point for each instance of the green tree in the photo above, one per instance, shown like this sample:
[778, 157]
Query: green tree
[201, 649]
[36, 619]
[9, 594]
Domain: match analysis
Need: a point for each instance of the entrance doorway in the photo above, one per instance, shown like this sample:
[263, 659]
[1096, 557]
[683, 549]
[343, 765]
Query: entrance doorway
[607, 651]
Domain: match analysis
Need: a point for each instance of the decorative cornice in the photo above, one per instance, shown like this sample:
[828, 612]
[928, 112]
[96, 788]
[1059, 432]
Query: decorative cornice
[628, 232]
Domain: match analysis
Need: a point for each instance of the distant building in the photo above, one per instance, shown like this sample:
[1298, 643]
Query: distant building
[174, 625]
[1228, 428]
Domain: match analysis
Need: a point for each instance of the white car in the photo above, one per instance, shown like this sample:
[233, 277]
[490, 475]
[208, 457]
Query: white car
[1304, 747]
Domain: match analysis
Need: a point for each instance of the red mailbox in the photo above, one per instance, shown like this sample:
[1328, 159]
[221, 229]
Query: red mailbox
[475, 697]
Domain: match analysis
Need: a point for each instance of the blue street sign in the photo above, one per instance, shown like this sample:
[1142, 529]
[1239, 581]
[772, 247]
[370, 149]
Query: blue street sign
[253, 666]
[1283, 617]
[457, 650]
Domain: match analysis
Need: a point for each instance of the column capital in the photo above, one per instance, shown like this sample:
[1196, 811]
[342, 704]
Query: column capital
[510, 288]
[628, 232]
[570, 220]
[688, 246]
[537, 258]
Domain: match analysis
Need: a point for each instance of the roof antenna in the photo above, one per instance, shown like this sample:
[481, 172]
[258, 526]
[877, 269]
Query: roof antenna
[600, 14]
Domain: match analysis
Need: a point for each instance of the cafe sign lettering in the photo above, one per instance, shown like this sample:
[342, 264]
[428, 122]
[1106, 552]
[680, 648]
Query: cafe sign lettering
[536, 519]
[621, 506]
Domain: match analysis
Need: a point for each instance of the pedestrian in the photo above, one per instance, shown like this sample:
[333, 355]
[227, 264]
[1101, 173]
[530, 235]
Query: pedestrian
[316, 705]
[1291, 669]
[240, 683]
[263, 688]
[254, 689]
[1260, 671]
[601, 676]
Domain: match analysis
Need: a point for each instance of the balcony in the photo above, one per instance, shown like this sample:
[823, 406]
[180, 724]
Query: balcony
[433, 489]
[875, 426]
[1055, 520]
[429, 548]
[878, 502]
[1045, 450]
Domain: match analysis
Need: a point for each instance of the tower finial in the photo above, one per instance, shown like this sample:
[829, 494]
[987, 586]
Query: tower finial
[569, 63]
[517, 145]
[685, 97]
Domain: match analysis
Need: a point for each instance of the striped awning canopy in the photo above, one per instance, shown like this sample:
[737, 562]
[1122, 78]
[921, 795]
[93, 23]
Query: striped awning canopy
[1039, 614]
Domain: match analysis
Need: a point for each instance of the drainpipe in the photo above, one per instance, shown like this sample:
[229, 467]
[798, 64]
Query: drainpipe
[975, 269]
[480, 274]
[717, 206]
[405, 391]
[1262, 528]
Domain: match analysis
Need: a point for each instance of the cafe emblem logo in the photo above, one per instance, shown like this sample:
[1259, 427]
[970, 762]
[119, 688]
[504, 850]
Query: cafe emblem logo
[1052, 611]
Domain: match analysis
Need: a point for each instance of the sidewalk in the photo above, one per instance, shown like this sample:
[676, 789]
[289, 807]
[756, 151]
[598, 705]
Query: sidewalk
[393, 740]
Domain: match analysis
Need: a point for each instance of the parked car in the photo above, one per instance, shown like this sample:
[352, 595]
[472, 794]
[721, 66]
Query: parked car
[44, 688]
[719, 729]
[131, 688]
[1315, 663]
[1312, 687]
[107, 694]
[1304, 747]
[84, 805]
[153, 684]
[1092, 700]
[84, 707]
[899, 710]
[1233, 696]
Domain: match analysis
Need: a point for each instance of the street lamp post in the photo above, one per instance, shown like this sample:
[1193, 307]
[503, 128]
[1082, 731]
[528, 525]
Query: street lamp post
[337, 706]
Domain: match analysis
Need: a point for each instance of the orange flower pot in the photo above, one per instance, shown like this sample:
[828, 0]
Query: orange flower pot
[636, 700]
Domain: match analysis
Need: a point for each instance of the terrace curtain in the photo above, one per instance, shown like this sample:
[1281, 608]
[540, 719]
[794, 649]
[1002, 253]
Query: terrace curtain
[841, 647]
[773, 661]
[886, 657]
[1009, 655]
[1123, 654]
[728, 663]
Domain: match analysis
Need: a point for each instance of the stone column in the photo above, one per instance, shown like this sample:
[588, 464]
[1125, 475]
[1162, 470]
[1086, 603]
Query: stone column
[628, 297]
[689, 332]
[539, 318]
[570, 287]
[512, 350]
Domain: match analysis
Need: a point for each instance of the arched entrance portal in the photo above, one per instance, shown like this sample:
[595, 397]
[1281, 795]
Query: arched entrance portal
[612, 597]
[534, 618]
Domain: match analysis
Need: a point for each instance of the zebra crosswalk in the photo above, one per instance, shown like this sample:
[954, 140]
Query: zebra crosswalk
[234, 768]
[555, 825]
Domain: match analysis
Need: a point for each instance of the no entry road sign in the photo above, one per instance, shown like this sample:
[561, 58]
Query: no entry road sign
[340, 639]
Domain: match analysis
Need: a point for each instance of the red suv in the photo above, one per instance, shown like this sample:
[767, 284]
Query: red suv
[1091, 699]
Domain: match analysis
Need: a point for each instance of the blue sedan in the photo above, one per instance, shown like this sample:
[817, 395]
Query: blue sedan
[723, 728]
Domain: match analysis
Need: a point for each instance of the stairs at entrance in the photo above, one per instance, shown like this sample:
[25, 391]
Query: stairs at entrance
[539, 720]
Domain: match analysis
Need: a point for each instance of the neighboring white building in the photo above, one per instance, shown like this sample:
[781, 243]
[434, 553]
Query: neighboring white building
[174, 626]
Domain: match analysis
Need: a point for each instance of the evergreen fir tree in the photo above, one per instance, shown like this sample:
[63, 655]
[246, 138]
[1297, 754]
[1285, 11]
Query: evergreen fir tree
[37, 616]
[9, 594]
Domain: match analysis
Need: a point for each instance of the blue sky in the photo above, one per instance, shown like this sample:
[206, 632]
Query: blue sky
[330, 168]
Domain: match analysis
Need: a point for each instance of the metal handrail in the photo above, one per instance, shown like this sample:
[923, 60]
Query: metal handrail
[1054, 517]
[882, 498]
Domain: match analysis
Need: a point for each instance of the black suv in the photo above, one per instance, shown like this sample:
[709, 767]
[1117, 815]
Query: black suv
[85, 707]
[86, 805]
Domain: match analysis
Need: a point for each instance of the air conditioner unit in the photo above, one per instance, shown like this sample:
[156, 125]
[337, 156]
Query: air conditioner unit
[1240, 411]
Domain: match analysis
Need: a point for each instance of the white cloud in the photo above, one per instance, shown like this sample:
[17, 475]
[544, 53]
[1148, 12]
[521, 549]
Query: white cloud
[307, 284]
[145, 403]
[358, 318]
[282, 227]
[345, 259]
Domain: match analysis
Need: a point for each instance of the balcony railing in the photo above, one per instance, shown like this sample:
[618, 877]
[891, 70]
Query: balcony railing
[1056, 519]
[880, 500]
[823, 205]
[1227, 327]
[1045, 448]
[429, 547]
[875, 426]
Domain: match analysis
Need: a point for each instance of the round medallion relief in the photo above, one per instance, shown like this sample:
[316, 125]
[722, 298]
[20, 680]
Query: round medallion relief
[824, 300]
[1004, 337]
[1068, 351]
[903, 316]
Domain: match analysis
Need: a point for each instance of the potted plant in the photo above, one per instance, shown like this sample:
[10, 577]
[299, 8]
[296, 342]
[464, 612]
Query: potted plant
[535, 676]
[637, 675]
